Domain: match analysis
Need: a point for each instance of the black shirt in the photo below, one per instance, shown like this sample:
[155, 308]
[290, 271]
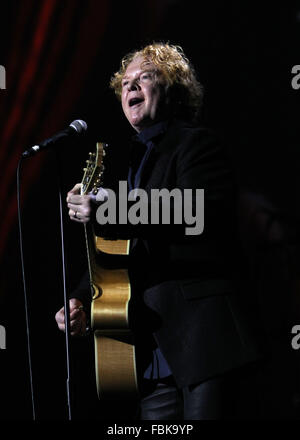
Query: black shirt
[158, 367]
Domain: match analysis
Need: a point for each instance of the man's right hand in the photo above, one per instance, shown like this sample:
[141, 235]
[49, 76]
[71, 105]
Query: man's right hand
[78, 319]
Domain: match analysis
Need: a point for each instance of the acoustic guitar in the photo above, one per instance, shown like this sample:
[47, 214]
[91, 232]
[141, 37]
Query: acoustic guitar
[115, 365]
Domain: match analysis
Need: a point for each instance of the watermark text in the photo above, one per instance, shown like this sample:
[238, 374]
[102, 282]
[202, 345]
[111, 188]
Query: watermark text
[159, 207]
[296, 339]
[296, 79]
[2, 78]
[2, 338]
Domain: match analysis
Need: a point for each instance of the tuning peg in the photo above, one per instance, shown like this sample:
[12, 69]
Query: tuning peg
[105, 146]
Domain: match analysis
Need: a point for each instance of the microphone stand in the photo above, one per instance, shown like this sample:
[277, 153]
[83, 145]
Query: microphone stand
[26, 306]
[66, 299]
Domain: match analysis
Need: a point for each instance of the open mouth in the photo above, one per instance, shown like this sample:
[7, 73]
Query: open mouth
[135, 101]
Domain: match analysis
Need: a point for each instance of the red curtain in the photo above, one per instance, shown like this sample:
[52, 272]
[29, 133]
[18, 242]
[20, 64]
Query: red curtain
[53, 47]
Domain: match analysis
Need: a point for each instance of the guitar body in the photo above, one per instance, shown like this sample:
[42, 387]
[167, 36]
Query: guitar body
[115, 366]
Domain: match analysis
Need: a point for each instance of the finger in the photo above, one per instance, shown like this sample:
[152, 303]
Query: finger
[77, 313]
[78, 216]
[74, 216]
[74, 313]
[62, 328]
[78, 327]
[77, 318]
[75, 324]
[60, 317]
[78, 199]
[75, 190]
[61, 325]
[83, 209]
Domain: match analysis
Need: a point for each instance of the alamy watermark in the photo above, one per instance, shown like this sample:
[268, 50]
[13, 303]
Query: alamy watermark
[2, 78]
[296, 339]
[164, 207]
[2, 338]
[296, 79]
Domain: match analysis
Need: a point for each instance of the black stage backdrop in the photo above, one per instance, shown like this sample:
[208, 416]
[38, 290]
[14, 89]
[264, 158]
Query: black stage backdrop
[59, 57]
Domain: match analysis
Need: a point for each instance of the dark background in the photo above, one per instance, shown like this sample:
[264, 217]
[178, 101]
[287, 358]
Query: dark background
[59, 57]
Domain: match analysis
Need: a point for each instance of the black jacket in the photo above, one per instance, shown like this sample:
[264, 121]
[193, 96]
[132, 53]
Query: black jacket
[185, 287]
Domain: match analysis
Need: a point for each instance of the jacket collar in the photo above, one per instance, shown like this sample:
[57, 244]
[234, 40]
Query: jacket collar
[152, 132]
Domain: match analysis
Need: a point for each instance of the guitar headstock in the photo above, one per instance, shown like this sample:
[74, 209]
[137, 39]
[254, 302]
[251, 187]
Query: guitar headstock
[93, 173]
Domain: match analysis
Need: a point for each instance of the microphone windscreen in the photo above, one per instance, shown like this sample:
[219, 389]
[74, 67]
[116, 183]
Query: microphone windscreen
[79, 125]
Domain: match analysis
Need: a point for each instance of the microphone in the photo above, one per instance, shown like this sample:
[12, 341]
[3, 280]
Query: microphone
[75, 128]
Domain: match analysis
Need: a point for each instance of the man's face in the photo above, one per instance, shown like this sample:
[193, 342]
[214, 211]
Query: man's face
[141, 94]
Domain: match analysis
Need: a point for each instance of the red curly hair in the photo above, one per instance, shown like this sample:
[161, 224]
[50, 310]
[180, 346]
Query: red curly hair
[184, 91]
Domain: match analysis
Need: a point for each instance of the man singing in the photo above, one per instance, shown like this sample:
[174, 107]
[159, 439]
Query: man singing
[192, 329]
